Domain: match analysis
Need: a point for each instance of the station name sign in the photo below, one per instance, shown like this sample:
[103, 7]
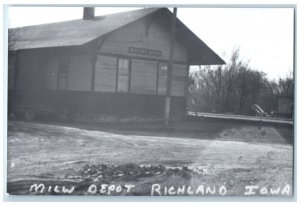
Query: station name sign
[145, 52]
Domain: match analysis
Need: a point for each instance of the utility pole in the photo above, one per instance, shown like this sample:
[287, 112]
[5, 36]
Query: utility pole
[170, 68]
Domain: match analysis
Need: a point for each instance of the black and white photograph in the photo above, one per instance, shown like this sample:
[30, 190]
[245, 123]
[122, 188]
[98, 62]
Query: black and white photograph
[150, 101]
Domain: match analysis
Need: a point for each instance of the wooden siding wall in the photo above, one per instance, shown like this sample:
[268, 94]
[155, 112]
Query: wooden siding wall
[105, 74]
[143, 34]
[98, 103]
[43, 71]
[179, 75]
[28, 76]
[50, 72]
[148, 73]
[80, 72]
[143, 77]
[11, 69]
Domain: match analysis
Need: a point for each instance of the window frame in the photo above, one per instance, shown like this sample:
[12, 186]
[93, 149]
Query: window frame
[128, 74]
[156, 76]
[130, 59]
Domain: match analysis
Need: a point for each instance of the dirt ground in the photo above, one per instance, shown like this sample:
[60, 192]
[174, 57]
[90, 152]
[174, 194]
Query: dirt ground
[220, 162]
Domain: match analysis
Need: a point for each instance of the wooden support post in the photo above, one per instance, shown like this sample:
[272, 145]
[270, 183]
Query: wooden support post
[170, 68]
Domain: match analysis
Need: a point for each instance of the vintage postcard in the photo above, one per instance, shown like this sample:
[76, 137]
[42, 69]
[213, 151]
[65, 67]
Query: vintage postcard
[150, 101]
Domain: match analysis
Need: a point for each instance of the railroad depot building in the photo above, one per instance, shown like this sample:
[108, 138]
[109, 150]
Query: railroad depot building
[115, 64]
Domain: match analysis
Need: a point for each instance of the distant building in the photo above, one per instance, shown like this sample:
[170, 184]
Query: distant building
[114, 64]
[285, 106]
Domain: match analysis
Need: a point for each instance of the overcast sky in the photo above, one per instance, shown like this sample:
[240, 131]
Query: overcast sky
[264, 35]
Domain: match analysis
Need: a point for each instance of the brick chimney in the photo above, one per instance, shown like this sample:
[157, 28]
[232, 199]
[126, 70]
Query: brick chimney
[88, 13]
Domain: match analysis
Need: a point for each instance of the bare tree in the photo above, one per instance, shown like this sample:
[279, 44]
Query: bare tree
[235, 87]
